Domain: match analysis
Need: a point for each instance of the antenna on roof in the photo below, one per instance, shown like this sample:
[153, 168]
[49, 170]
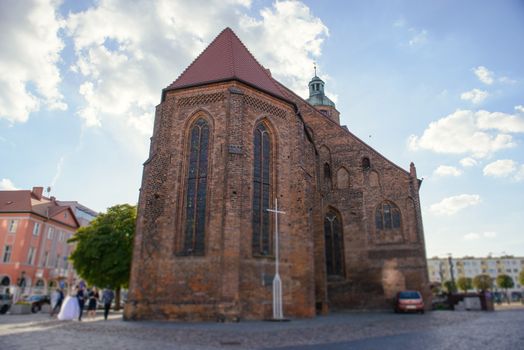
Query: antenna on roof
[315, 67]
[48, 190]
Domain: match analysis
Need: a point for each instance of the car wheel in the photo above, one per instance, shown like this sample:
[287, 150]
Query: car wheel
[35, 309]
[4, 309]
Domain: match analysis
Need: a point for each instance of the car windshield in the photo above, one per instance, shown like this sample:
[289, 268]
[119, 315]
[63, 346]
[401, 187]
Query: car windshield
[409, 295]
[34, 298]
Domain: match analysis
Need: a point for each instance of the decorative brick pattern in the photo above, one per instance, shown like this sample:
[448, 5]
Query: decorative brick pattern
[265, 107]
[204, 99]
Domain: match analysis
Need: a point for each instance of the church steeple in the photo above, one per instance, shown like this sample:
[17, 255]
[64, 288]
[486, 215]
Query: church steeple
[318, 98]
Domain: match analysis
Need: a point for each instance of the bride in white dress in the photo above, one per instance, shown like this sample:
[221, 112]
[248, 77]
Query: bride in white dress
[70, 309]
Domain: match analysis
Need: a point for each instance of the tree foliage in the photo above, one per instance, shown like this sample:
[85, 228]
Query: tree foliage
[449, 286]
[464, 283]
[482, 282]
[104, 248]
[521, 278]
[505, 281]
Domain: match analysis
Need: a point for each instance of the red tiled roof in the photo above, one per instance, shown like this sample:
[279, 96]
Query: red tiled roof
[15, 201]
[24, 201]
[226, 58]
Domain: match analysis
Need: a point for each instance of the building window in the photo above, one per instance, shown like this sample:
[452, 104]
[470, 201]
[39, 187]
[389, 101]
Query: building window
[13, 224]
[57, 262]
[334, 244]
[31, 256]
[7, 253]
[50, 233]
[366, 164]
[262, 244]
[36, 229]
[44, 260]
[387, 216]
[195, 218]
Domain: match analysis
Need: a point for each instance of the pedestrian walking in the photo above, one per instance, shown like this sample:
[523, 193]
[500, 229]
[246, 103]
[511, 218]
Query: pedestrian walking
[80, 295]
[93, 300]
[59, 299]
[107, 298]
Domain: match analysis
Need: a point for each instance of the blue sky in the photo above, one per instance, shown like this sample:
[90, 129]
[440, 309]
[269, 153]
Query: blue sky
[439, 83]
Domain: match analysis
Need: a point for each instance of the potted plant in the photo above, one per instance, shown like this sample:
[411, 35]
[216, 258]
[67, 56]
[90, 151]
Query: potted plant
[21, 308]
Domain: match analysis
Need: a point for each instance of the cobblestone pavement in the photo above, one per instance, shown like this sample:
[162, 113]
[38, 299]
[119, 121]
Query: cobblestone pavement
[373, 330]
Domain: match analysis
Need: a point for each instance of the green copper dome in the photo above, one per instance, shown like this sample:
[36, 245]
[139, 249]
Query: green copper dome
[316, 93]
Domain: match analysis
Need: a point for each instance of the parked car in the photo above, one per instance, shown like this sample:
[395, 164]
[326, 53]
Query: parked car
[37, 301]
[5, 303]
[409, 301]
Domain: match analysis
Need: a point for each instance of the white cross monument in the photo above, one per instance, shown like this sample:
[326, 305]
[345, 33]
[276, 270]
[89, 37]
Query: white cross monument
[278, 314]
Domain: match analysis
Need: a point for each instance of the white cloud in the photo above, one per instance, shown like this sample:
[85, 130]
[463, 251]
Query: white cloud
[471, 236]
[500, 168]
[125, 57]
[7, 185]
[519, 108]
[475, 95]
[478, 134]
[484, 75]
[519, 176]
[419, 37]
[468, 162]
[30, 48]
[474, 236]
[489, 234]
[446, 170]
[500, 121]
[452, 205]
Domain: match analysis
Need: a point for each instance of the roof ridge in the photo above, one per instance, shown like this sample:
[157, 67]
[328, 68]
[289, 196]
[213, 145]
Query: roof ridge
[196, 58]
[226, 58]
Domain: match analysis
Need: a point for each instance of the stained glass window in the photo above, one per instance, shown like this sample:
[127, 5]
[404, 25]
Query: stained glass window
[334, 244]
[196, 189]
[262, 244]
[387, 216]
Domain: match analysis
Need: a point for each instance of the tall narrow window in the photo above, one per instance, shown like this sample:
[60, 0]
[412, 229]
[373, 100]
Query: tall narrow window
[13, 224]
[334, 244]
[196, 189]
[387, 216]
[262, 244]
[7, 253]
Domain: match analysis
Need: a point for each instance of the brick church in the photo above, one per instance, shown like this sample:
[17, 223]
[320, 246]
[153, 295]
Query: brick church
[228, 139]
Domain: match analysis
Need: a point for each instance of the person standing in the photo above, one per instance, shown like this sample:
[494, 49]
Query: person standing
[58, 302]
[107, 298]
[93, 300]
[80, 295]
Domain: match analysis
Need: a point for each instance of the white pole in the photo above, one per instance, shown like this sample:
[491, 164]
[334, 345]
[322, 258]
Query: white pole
[278, 313]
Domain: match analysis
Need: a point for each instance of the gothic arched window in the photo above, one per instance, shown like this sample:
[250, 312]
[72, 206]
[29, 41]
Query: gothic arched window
[387, 216]
[334, 244]
[195, 218]
[262, 244]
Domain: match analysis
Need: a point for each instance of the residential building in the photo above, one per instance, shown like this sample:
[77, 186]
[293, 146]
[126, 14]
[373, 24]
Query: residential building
[439, 269]
[34, 231]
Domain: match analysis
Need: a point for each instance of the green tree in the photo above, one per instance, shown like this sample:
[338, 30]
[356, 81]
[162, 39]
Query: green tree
[449, 286]
[521, 278]
[505, 282]
[104, 249]
[464, 283]
[482, 282]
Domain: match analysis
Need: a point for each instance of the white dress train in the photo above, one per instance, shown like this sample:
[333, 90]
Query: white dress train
[70, 309]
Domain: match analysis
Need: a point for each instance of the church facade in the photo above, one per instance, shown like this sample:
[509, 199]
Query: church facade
[228, 140]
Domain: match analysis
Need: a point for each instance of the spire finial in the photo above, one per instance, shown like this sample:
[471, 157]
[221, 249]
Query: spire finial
[315, 67]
